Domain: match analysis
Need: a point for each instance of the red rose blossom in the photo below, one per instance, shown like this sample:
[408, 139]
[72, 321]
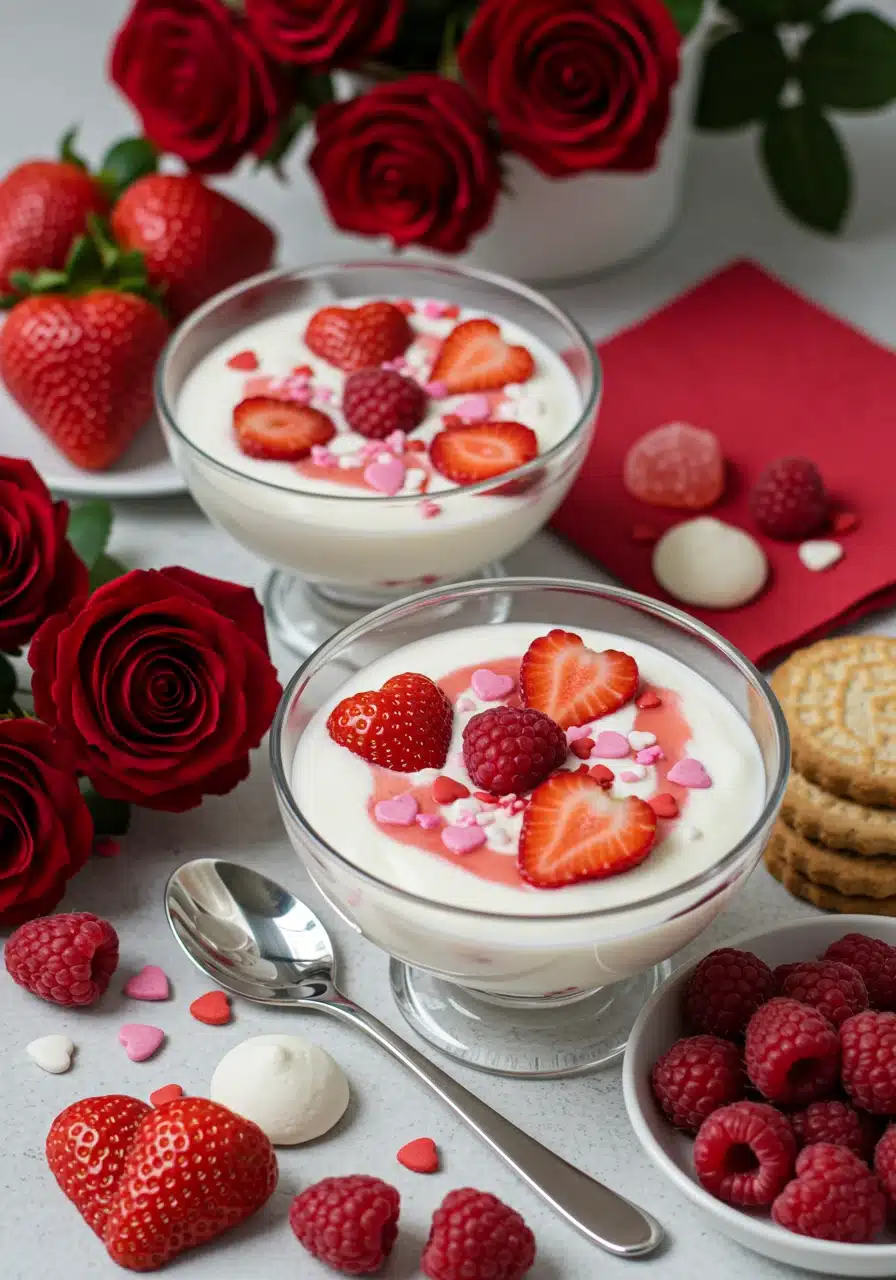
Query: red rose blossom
[202, 87]
[39, 572]
[575, 86]
[46, 831]
[414, 160]
[160, 684]
[324, 33]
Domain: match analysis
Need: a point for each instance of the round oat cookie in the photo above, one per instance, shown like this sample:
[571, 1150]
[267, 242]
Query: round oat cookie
[820, 895]
[837, 822]
[848, 874]
[839, 697]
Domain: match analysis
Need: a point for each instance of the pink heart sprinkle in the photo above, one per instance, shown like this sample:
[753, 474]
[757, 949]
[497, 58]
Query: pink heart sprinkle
[473, 408]
[437, 390]
[649, 755]
[610, 746]
[464, 704]
[398, 812]
[489, 686]
[140, 1040]
[385, 477]
[428, 821]
[576, 731]
[463, 839]
[149, 984]
[629, 775]
[429, 509]
[689, 773]
[395, 441]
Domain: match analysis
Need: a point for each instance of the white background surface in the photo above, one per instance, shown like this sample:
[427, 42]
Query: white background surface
[51, 59]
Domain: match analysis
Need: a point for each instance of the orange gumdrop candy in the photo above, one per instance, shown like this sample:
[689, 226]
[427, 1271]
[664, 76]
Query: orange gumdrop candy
[676, 466]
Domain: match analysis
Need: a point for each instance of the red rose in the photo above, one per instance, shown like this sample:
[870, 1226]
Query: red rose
[46, 832]
[413, 160]
[324, 32]
[161, 685]
[201, 86]
[39, 572]
[578, 85]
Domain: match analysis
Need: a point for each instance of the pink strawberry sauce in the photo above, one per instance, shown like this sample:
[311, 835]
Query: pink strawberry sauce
[667, 721]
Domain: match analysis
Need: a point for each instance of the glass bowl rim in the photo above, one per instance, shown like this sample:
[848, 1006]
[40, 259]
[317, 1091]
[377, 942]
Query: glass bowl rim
[526, 583]
[278, 274]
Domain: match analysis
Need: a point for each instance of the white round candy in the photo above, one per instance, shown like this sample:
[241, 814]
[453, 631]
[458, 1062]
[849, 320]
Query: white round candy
[292, 1089]
[711, 564]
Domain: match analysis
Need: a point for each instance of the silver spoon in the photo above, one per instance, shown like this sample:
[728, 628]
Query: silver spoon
[255, 939]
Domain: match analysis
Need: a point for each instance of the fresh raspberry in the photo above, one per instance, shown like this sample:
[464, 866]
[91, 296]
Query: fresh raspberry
[868, 1072]
[789, 500]
[792, 1052]
[67, 958]
[744, 1153]
[725, 990]
[696, 1077]
[782, 972]
[875, 961]
[377, 402]
[512, 749]
[885, 1165]
[834, 1196]
[349, 1223]
[474, 1236]
[835, 1122]
[835, 989]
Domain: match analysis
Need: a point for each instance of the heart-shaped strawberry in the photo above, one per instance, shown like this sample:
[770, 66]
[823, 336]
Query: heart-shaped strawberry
[404, 726]
[475, 357]
[353, 338]
[213, 1008]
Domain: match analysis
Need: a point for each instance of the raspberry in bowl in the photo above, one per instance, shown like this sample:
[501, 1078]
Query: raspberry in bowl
[373, 428]
[529, 817]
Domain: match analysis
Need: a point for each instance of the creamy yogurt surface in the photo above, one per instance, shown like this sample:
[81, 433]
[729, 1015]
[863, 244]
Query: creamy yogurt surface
[338, 791]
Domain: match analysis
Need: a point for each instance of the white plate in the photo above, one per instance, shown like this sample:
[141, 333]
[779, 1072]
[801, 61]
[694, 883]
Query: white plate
[660, 1024]
[145, 471]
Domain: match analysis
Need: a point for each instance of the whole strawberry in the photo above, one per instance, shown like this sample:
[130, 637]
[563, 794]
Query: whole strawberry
[405, 726]
[195, 240]
[67, 958]
[789, 499]
[86, 1150]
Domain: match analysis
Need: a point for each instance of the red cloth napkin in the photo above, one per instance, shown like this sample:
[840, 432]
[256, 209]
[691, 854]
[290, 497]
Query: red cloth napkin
[771, 374]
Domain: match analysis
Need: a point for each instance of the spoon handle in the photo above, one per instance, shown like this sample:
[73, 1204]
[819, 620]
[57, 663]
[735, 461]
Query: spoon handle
[605, 1217]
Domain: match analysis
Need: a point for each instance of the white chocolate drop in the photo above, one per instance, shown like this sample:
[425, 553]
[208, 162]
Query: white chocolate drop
[711, 564]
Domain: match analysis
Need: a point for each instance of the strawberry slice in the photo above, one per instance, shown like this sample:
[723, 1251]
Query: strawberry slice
[469, 454]
[279, 429]
[353, 338]
[573, 830]
[475, 357]
[573, 684]
[405, 726]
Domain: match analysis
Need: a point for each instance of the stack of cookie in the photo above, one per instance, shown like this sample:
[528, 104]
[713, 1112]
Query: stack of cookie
[835, 841]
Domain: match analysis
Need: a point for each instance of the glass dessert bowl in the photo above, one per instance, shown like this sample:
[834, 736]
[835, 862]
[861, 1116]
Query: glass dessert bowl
[528, 925]
[372, 428]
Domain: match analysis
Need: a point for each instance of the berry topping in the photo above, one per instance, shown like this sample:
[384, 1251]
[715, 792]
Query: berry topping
[68, 958]
[353, 338]
[725, 990]
[835, 989]
[512, 749]
[834, 1196]
[696, 1077]
[279, 429]
[404, 726]
[792, 1053]
[572, 830]
[868, 1046]
[875, 961]
[885, 1165]
[789, 500]
[469, 454]
[573, 684]
[836, 1122]
[377, 402]
[446, 790]
[474, 1236]
[744, 1153]
[675, 466]
[475, 357]
[349, 1223]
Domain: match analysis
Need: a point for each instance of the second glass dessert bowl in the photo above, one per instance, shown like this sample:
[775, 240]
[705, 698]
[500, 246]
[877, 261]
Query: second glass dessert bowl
[506, 977]
[342, 539]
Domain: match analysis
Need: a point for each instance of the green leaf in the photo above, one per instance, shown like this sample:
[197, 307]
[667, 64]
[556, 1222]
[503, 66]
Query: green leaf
[110, 817]
[105, 569]
[299, 115]
[768, 13]
[89, 526]
[125, 162]
[67, 150]
[7, 685]
[743, 76]
[686, 14]
[808, 167]
[850, 63]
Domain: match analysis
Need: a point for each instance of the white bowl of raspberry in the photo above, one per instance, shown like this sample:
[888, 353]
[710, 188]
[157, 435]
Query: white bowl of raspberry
[770, 1067]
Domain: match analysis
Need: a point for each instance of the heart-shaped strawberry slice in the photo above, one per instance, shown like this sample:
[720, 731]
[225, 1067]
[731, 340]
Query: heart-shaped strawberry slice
[404, 726]
[353, 338]
[475, 357]
[573, 684]
[86, 1150]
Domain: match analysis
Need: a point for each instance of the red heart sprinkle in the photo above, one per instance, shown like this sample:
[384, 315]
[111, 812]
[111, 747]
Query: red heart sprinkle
[415, 446]
[664, 805]
[844, 522]
[244, 361]
[600, 773]
[582, 747]
[648, 701]
[445, 790]
[213, 1008]
[486, 797]
[167, 1093]
[303, 371]
[420, 1156]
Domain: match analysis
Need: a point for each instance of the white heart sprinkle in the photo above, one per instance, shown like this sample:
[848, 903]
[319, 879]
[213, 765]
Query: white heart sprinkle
[691, 833]
[819, 553]
[638, 740]
[52, 1053]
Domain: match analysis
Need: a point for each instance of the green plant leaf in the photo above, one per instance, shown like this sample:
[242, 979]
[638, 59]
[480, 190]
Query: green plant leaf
[686, 14]
[7, 685]
[67, 150]
[110, 817]
[299, 115]
[125, 162]
[743, 76]
[850, 63]
[808, 166]
[768, 13]
[105, 569]
[89, 526]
